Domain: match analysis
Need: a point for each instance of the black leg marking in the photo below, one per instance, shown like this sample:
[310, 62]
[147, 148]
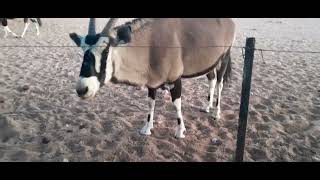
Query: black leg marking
[210, 77]
[225, 69]
[39, 21]
[148, 118]
[217, 102]
[179, 121]
[176, 90]
[152, 93]
[4, 21]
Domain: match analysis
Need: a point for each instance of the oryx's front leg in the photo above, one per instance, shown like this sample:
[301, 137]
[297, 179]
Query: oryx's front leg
[37, 23]
[26, 25]
[218, 104]
[8, 30]
[37, 27]
[176, 99]
[149, 124]
[212, 77]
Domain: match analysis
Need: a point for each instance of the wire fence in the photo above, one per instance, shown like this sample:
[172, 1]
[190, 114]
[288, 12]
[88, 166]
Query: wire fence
[261, 50]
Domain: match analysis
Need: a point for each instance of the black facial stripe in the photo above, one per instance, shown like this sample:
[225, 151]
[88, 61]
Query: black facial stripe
[88, 65]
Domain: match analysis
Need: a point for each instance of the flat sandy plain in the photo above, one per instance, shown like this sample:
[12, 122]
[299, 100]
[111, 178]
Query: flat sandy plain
[42, 119]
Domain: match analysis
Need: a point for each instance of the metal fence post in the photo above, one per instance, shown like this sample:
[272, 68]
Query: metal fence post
[245, 95]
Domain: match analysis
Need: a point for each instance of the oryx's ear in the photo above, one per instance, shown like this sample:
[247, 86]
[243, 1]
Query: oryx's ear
[76, 38]
[124, 35]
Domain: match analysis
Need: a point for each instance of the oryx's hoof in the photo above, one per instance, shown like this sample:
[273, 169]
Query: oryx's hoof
[179, 132]
[208, 109]
[146, 130]
[16, 36]
[216, 115]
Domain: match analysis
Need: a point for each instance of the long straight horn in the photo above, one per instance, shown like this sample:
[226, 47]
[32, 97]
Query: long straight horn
[107, 30]
[92, 27]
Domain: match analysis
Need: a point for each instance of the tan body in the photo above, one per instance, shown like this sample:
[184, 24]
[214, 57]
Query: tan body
[167, 49]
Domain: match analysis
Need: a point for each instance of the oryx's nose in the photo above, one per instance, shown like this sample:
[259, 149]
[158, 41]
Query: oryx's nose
[82, 92]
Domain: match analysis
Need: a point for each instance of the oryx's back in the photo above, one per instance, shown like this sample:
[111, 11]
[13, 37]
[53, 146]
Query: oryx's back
[197, 37]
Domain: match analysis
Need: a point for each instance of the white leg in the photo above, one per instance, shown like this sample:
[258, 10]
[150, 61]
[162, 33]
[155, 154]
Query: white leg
[37, 27]
[149, 124]
[26, 25]
[220, 87]
[212, 86]
[180, 128]
[5, 32]
[7, 29]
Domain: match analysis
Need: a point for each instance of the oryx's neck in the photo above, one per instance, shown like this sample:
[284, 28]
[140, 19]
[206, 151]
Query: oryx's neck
[109, 66]
[128, 65]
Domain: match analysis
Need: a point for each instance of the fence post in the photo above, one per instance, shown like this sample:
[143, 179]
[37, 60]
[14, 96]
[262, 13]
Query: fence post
[245, 95]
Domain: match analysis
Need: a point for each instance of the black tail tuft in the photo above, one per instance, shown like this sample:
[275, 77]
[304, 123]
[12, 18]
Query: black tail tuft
[227, 74]
[36, 21]
[39, 21]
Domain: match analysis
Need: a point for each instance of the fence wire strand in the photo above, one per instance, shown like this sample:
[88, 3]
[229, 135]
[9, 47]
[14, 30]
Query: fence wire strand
[178, 47]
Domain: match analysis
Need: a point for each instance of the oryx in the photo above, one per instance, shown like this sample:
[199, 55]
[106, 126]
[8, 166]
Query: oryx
[157, 52]
[36, 21]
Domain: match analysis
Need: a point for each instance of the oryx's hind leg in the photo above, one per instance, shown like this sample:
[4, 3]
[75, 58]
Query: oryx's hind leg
[149, 124]
[9, 31]
[37, 27]
[6, 29]
[5, 32]
[176, 99]
[26, 25]
[222, 75]
[36, 22]
[212, 77]
[218, 102]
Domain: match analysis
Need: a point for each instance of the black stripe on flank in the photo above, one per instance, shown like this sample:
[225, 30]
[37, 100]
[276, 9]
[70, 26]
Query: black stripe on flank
[202, 72]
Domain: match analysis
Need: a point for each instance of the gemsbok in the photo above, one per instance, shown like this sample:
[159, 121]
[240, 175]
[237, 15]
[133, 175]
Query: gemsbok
[157, 52]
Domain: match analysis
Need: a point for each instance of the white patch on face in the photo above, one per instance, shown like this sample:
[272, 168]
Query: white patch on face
[84, 46]
[96, 50]
[92, 83]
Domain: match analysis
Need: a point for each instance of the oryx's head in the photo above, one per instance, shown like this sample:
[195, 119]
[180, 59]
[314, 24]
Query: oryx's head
[95, 70]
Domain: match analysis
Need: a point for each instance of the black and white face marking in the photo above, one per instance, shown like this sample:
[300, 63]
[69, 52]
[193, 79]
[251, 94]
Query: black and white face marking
[93, 69]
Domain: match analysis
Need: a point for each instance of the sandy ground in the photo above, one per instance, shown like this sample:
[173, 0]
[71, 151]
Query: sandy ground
[42, 119]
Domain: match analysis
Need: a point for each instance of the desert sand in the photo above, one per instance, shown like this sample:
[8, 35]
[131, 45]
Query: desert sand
[42, 118]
